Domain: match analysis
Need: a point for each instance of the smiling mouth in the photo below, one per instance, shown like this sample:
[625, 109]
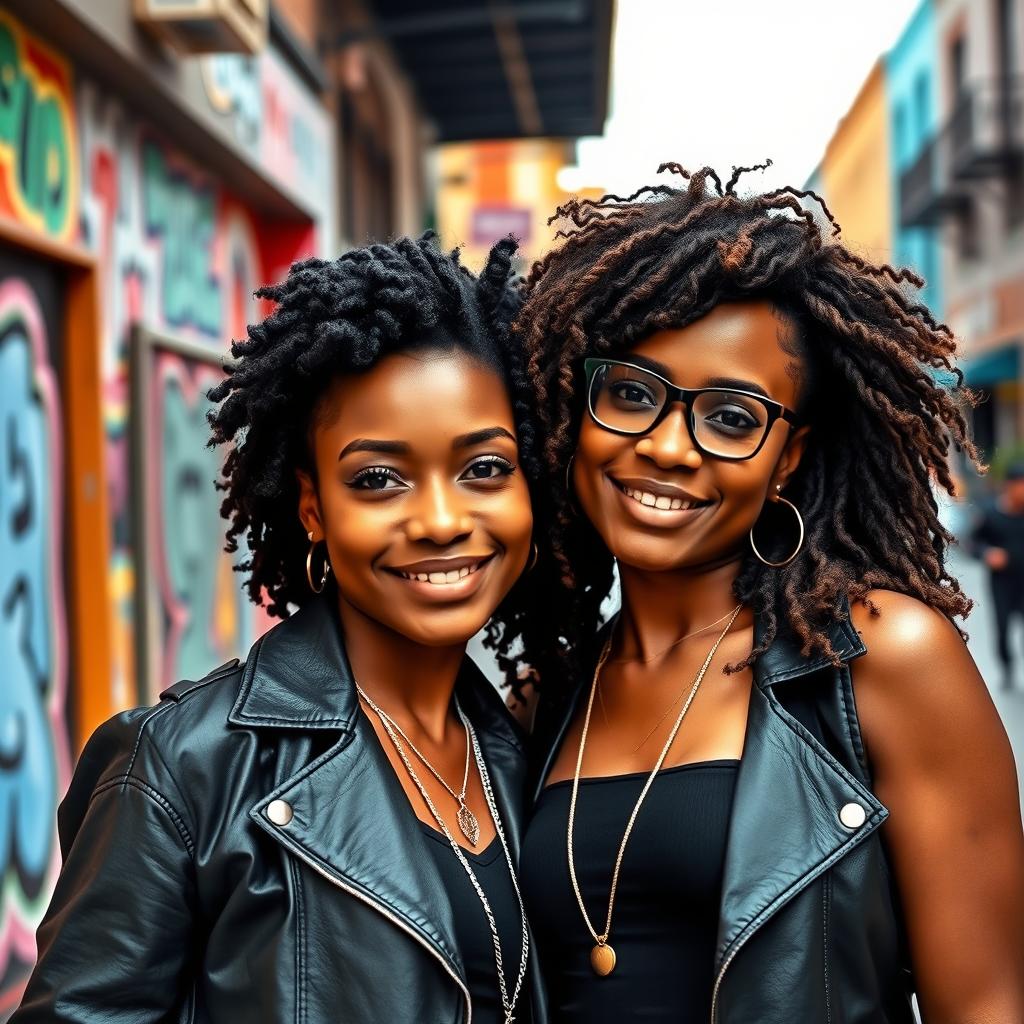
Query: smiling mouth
[439, 577]
[658, 501]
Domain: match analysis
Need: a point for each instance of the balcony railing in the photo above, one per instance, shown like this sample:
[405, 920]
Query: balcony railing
[986, 131]
[927, 192]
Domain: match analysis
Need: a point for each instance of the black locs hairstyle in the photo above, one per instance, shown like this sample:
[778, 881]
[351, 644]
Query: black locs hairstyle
[883, 421]
[340, 317]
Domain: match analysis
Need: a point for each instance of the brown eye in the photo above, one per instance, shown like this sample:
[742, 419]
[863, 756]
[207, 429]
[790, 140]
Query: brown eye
[376, 478]
[490, 468]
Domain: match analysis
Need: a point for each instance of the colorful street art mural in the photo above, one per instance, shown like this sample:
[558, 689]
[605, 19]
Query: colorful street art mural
[182, 256]
[179, 254]
[38, 162]
[201, 616]
[34, 755]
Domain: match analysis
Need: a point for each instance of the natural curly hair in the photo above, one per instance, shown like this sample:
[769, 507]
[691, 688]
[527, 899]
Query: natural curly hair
[874, 359]
[344, 316]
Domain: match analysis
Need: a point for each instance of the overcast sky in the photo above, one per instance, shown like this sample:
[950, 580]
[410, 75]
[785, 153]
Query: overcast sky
[733, 83]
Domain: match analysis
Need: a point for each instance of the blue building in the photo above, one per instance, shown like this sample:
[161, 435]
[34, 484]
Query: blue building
[913, 98]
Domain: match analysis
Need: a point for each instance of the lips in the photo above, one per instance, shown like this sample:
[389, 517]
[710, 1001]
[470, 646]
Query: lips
[441, 572]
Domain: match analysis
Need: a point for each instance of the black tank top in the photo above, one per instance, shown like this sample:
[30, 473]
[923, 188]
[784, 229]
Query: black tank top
[665, 922]
[472, 932]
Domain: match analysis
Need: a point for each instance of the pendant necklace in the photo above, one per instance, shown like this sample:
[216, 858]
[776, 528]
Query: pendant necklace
[468, 825]
[508, 1003]
[602, 956]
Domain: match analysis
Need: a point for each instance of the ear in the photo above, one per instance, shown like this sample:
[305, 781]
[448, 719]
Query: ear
[791, 455]
[309, 505]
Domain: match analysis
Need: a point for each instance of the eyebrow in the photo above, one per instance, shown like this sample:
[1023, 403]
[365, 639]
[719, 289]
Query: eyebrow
[369, 444]
[733, 383]
[480, 436]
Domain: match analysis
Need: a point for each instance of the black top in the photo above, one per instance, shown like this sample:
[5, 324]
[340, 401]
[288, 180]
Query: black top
[665, 922]
[476, 944]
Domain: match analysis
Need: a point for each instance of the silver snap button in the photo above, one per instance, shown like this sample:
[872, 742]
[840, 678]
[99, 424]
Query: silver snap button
[853, 816]
[279, 812]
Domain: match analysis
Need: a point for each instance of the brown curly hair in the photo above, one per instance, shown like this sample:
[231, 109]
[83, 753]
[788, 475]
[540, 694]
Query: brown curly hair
[881, 392]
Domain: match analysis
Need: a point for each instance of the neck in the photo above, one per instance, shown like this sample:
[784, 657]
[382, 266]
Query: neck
[411, 681]
[660, 607]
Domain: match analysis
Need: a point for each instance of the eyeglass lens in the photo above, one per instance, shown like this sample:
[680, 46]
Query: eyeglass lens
[725, 423]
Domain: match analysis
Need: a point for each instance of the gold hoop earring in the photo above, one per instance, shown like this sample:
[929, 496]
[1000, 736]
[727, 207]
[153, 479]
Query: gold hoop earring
[799, 543]
[309, 566]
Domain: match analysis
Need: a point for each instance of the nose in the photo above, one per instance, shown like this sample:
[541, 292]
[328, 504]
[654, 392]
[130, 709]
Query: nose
[669, 445]
[440, 515]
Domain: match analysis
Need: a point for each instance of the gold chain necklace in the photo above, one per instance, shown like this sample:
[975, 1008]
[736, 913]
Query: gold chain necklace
[602, 956]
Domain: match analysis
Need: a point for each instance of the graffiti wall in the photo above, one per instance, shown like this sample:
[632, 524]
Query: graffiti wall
[182, 256]
[38, 163]
[178, 253]
[34, 734]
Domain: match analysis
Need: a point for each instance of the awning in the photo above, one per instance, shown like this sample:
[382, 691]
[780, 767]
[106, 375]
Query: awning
[995, 367]
[501, 70]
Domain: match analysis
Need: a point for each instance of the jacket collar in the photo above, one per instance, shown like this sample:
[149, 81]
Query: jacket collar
[349, 817]
[298, 676]
[784, 660]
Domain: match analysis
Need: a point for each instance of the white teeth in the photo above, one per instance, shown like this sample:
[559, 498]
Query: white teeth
[442, 578]
[659, 501]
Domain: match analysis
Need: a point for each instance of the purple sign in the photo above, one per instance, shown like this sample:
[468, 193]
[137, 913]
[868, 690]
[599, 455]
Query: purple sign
[491, 223]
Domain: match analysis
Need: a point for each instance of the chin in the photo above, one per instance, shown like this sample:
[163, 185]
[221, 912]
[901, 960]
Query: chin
[444, 630]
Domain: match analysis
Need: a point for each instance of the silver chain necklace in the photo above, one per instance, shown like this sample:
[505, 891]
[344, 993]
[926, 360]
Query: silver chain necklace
[392, 729]
[468, 824]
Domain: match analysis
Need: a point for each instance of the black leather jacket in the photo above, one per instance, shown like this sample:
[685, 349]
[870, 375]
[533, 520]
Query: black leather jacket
[182, 900]
[809, 926]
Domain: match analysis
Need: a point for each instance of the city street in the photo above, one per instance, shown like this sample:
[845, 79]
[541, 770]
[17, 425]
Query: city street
[982, 644]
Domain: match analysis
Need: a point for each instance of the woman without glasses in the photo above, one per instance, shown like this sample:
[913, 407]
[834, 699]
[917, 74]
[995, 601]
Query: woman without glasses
[327, 832]
[777, 790]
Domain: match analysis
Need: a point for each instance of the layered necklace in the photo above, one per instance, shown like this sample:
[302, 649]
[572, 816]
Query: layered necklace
[470, 828]
[602, 955]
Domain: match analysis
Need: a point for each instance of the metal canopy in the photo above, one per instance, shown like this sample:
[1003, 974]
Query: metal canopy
[502, 70]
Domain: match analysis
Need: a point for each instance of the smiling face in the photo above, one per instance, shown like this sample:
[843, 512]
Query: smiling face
[419, 496]
[657, 501]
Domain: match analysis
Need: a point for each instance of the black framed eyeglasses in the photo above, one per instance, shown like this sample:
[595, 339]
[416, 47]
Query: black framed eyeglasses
[723, 422]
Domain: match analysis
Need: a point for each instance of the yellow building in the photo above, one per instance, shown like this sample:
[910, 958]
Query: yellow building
[486, 190]
[856, 173]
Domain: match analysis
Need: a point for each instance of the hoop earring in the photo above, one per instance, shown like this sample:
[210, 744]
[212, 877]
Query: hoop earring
[799, 543]
[533, 560]
[309, 566]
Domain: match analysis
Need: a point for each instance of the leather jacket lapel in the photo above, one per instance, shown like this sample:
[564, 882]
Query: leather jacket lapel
[784, 828]
[351, 820]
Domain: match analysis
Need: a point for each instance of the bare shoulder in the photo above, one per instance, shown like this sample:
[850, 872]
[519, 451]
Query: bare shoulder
[917, 687]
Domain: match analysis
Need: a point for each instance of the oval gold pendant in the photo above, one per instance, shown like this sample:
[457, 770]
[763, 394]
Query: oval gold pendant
[602, 959]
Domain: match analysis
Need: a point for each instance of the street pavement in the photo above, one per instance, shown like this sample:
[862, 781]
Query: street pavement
[982, 645]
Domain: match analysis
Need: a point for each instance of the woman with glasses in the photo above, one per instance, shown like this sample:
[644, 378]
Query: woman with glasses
[328, 831]
[774, 788]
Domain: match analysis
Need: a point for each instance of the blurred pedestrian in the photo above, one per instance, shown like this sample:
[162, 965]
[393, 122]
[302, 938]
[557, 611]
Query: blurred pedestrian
[998, 540]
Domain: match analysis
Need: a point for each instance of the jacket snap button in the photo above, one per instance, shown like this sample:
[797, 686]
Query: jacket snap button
[852, 816]
[279, 812]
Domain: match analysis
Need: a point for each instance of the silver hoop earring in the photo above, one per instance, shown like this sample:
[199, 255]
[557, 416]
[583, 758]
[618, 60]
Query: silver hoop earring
[309, 566]
[533, 558]
[799, 543]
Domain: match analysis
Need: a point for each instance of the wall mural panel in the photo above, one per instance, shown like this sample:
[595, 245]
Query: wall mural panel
[34, 731]
[189, 595]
